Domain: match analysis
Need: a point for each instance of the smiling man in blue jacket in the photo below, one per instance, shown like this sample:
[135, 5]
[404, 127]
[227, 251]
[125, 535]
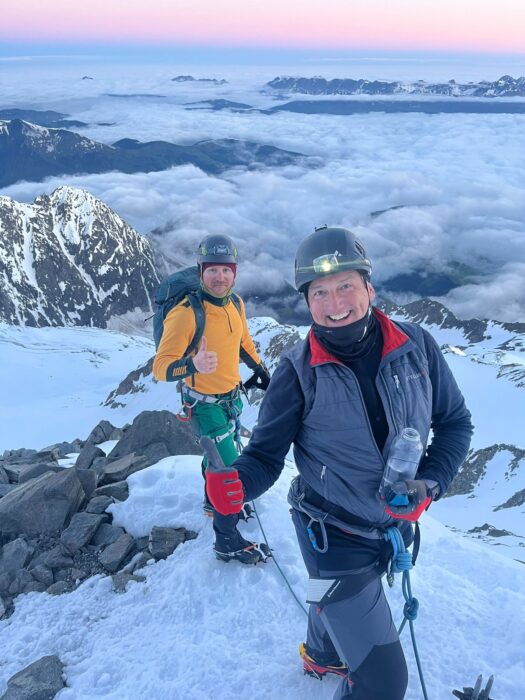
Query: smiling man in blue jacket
[341, 397]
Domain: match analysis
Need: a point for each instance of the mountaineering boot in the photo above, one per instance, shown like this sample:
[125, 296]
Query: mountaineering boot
[250, 553]
[318, 669]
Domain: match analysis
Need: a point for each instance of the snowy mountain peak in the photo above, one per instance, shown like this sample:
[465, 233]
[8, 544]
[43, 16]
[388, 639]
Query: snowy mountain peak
[68, 259]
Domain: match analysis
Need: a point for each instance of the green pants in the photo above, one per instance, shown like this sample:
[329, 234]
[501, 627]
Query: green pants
[215, 420]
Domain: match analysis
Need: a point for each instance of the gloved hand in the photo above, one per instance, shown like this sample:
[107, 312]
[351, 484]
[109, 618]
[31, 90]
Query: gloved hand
[225, 491]
[416, 492]
[260, 379]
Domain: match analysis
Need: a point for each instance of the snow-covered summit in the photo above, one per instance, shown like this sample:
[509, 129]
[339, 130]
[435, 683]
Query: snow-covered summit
[68, 259]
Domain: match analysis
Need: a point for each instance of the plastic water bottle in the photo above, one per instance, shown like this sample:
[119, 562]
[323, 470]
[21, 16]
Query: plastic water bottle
[403, 460]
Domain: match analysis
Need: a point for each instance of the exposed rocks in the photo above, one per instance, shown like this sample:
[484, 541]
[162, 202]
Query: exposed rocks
[54, 528]
[41, 680]
[155, 434]
[113, 556]
[163, 541]
[118, 491]
[41, 505]
[80, 531]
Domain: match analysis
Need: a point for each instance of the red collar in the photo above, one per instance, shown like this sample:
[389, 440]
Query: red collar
[393, 338]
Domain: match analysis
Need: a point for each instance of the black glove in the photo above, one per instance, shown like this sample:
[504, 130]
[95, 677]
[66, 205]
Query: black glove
[407, 500]
[260, 379]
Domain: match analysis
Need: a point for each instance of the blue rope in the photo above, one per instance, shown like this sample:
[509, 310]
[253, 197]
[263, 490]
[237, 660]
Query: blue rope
[401, 562]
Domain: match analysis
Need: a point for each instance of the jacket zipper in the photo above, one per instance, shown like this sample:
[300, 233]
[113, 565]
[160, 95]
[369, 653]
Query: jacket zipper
[391, 408]
[228, 317]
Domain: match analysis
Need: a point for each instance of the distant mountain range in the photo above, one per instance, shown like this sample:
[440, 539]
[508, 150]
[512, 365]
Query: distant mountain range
[506, 86]
[68, 259]
[191, 79]
[31, 152]
[48, 117]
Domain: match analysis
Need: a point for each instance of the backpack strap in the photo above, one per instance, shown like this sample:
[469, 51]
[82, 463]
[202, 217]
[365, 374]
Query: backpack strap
[195, 301]
[243, 355]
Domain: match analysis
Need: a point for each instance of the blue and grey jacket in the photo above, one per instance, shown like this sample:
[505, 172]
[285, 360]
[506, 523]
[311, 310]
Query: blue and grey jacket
[314, 401]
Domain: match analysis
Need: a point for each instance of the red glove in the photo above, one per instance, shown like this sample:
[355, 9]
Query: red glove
[225, 491]
[417, 496]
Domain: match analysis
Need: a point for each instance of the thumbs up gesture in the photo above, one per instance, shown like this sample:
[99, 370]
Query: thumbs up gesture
[205, 360]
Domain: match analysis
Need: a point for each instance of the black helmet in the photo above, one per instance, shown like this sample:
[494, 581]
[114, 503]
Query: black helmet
[327, 250]
[216, 249]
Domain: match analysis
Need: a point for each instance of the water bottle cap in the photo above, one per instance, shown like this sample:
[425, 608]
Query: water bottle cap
[410, 434]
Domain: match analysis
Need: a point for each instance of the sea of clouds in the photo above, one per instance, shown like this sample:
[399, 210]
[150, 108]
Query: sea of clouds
[458, 179]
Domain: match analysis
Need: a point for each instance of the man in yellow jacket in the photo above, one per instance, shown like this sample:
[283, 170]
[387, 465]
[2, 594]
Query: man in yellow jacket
[210, 377]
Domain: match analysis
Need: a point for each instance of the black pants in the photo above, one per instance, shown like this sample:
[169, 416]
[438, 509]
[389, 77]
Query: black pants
[355, 624]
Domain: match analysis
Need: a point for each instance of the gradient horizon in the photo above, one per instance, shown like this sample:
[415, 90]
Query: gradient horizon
[478, 26]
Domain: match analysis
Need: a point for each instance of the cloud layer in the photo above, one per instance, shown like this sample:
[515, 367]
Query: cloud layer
[459, 181]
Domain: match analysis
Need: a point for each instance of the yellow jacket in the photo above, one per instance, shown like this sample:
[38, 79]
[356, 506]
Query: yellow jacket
[227, 334]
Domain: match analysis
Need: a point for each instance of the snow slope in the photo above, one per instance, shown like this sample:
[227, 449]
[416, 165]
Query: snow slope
[199, 629]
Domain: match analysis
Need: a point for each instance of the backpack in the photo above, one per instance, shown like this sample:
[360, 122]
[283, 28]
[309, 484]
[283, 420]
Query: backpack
[179, 285]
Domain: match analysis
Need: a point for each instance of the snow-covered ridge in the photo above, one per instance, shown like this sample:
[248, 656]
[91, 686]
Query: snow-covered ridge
[68, 259]
[506, 86]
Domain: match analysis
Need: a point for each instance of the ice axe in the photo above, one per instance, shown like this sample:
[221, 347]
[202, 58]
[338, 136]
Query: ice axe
[476, 693]
[215, 463]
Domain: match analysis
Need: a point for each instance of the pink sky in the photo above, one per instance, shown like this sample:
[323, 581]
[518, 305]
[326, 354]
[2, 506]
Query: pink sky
[444, 25]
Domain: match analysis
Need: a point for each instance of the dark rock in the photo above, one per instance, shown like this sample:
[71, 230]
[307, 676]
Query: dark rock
[106, 535]
[118, 491]
[164, 540]
[78, 574]
[62, 449]
[156, 434]
[142, 542]
[42, 505]
[99, 504]
[13, 469]
[4, 479]
[132, 384]
[112, 557]
[87, 456]
[100, 433]
[53, 558]
[6, 578]
[98, 466]
[518, 499]
[35, 587]
[41, 680]
[120, 469]
[21, 579]
[21, 455]
[116, 434]
[80, 531]
[140, 561]
[121, 580]
[15, 555]
[43, 574]
[88, 479]
[3, 607]
[31, 471]
[58, 588]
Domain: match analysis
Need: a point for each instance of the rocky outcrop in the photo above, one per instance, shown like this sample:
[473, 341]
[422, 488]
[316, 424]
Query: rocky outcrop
[55, 530]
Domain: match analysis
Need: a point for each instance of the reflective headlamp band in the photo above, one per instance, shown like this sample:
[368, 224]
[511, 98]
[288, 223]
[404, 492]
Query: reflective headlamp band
[220, 249]
[329, 263]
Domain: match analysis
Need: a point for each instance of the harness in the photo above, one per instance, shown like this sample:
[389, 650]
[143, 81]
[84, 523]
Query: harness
[190, 398]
